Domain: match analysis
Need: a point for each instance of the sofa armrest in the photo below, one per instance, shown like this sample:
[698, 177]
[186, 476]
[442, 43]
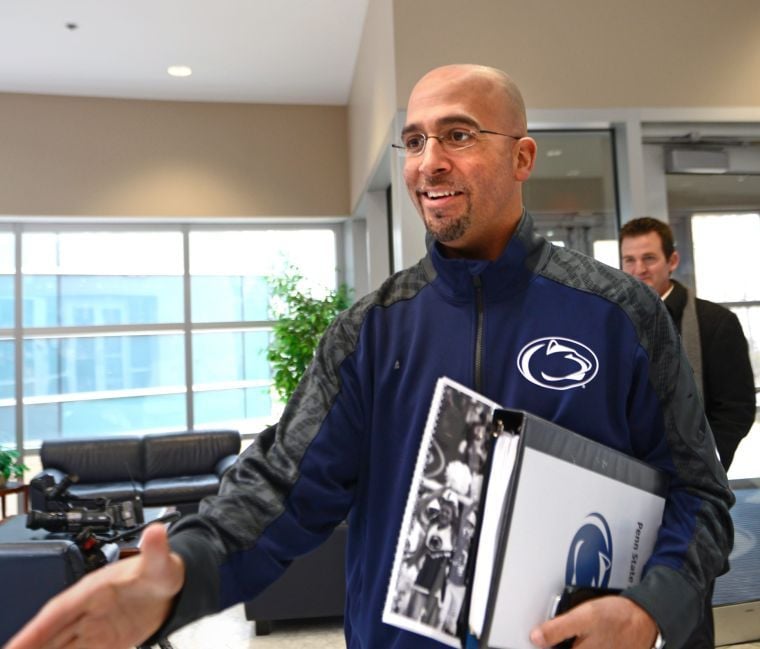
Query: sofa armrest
[224, 464]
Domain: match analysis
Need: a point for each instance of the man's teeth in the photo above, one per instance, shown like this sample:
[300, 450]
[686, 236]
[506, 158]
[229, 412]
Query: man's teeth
[440, 194]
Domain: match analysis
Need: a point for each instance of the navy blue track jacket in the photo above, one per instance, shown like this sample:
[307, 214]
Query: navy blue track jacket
[347, 442]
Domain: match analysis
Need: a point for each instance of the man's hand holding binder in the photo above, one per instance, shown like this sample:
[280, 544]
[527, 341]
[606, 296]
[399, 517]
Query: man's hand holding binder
[601, 623]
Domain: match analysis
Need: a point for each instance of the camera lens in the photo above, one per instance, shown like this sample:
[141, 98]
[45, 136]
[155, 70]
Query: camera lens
[51, 521]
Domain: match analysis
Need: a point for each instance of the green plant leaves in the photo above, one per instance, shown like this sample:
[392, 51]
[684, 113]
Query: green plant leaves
[11, 465]
[300, 320]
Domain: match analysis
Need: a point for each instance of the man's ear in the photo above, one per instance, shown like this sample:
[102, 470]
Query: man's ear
[525, 158]
[674, 260]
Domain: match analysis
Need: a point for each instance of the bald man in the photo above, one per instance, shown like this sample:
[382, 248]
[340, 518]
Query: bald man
[346, 445]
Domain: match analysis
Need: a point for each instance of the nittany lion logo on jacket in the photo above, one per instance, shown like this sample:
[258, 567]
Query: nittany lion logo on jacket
[557, 363]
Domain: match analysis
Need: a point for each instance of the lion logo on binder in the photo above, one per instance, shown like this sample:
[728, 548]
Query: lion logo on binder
[557, 363]
[589, 561]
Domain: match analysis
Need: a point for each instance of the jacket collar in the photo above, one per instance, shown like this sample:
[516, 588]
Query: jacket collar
[456, 279]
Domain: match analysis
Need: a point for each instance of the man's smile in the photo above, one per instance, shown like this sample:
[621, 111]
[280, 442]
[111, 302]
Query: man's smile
[438, 197]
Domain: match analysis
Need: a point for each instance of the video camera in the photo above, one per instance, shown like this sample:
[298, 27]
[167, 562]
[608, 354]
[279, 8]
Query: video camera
[71, 514]
[95, 524]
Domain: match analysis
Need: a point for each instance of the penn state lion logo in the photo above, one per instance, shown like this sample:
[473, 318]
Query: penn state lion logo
[557, 363]
[589, 560]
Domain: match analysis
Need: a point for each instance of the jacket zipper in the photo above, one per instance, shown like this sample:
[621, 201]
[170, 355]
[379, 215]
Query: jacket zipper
[478, 333]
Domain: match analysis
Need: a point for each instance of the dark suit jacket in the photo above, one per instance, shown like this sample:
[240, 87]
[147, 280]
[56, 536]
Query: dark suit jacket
[728, 382]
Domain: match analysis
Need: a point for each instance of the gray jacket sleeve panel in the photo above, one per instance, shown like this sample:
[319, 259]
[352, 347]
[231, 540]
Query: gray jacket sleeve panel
[697, 532]
[254, 492]
[242, 539]
[667, 590]
[699, 499]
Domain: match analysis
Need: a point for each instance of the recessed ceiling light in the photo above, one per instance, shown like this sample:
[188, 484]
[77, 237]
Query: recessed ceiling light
[573, 173]
[179, 70]
[553, 153]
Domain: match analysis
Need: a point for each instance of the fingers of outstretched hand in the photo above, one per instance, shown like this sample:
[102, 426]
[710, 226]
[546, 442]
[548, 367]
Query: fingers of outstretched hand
[599, 624]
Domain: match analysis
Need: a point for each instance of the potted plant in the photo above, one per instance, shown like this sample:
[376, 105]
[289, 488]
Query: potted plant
[300, 320]
[11, 466]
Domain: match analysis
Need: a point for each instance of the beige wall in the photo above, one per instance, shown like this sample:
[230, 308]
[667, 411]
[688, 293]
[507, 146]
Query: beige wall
[106, 157]
[565, 54]
[591, 53]
[372, 103]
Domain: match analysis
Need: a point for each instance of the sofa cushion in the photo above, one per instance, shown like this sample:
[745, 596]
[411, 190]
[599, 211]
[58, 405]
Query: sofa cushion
[187, 453]
[168, 491]
[105, 459]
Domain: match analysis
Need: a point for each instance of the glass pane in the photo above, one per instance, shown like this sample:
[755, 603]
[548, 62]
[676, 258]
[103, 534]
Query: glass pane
[248, 410]
[56, 366]
[80, 301]
[571, 192]
[229, 269]
[222, 357]
[102, 253]
[7, 272]
[725, 251]
[230, 299]
[85, 418]
[7, 369]
[7, 253]
[7, 392]
[7, 424]
[7, 303]
[750, 319]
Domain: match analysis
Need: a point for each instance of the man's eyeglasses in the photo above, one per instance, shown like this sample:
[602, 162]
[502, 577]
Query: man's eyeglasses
[413, 144]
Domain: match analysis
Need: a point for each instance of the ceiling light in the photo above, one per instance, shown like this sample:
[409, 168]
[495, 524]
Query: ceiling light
[553, 153]
[179, 70]
[572, 173]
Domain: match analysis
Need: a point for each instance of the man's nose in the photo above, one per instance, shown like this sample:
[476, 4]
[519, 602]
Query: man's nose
[639, 268]
[434, 159]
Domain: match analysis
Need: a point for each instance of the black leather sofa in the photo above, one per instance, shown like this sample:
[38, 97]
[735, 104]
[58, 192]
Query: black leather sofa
[178, 468]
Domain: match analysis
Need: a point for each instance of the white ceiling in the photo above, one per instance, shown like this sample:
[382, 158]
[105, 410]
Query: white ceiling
[257, 51]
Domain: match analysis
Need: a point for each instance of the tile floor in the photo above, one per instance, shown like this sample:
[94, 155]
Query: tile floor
[230, 630]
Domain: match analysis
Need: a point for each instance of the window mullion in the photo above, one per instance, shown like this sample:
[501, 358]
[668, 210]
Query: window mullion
[18, 339]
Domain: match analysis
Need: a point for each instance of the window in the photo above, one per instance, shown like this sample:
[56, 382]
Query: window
[724, 248]
[109, 343]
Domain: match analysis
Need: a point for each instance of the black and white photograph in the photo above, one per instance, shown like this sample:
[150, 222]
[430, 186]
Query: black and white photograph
[427, 585]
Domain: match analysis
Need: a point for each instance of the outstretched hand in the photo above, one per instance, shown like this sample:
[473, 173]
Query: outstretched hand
[601, 623]
[115, 607]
